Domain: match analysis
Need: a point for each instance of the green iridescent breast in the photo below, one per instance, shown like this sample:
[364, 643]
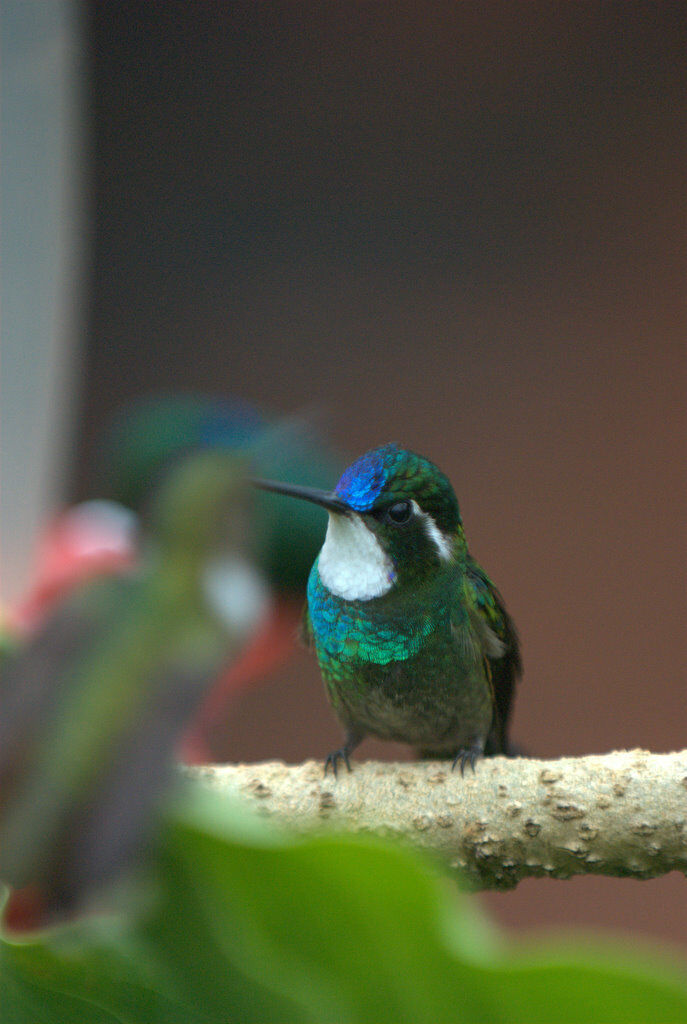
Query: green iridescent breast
[357, 632]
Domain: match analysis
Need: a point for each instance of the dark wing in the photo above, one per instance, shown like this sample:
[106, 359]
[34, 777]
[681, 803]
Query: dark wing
[101, 825]
[109, 830]
[305, 630]
[501, 647]
[34, 676]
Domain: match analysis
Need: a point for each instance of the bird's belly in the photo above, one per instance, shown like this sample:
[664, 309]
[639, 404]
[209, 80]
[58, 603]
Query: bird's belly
[402, 678]
[442, 709]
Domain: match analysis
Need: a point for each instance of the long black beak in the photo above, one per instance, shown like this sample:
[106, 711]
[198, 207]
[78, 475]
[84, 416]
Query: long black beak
[327, 499]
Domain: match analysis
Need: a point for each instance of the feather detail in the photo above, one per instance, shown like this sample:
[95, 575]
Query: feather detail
[501, 648]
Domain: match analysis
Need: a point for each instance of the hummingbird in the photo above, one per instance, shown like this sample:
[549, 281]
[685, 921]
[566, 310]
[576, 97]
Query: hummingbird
[152, 434]
[412, 638]
[92, 706]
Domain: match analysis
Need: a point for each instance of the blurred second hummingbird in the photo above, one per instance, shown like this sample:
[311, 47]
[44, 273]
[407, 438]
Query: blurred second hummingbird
[412, 638]
[92, 707]
[150, 436]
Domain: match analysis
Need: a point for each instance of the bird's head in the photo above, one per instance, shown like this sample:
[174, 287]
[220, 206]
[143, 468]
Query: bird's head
[394, 523]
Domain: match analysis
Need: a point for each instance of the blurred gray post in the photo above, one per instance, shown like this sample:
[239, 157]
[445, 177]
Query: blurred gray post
[41, 240]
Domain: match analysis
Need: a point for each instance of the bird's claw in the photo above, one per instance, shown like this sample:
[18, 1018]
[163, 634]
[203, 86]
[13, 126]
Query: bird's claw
[468, 755]
[333, 759]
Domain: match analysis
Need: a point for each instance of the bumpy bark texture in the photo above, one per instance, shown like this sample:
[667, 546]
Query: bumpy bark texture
[621, 814]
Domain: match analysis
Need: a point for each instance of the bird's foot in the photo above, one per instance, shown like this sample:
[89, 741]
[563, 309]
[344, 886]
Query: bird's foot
[333, 759]
[468, 755]
[352, 738]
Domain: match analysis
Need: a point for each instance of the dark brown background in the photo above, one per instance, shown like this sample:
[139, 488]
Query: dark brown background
[456, 226]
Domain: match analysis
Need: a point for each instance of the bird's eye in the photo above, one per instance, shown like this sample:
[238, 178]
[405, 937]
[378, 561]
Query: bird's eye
[399, 513]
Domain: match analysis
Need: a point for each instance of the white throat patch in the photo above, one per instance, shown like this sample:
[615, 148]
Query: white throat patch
[237, 594]
[353, 564]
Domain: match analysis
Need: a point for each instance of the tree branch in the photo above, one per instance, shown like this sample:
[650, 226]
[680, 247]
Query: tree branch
[622, 814]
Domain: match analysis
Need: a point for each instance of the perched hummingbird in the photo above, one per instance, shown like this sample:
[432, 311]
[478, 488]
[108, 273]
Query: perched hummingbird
[92, 707]
[412, 637]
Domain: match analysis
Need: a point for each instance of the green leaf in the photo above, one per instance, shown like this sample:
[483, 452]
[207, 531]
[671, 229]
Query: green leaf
[75, 975]
[250, 925]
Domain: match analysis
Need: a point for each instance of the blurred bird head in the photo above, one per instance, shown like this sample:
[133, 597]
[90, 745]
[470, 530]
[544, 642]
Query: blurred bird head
[153, 434]
[202, 503]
